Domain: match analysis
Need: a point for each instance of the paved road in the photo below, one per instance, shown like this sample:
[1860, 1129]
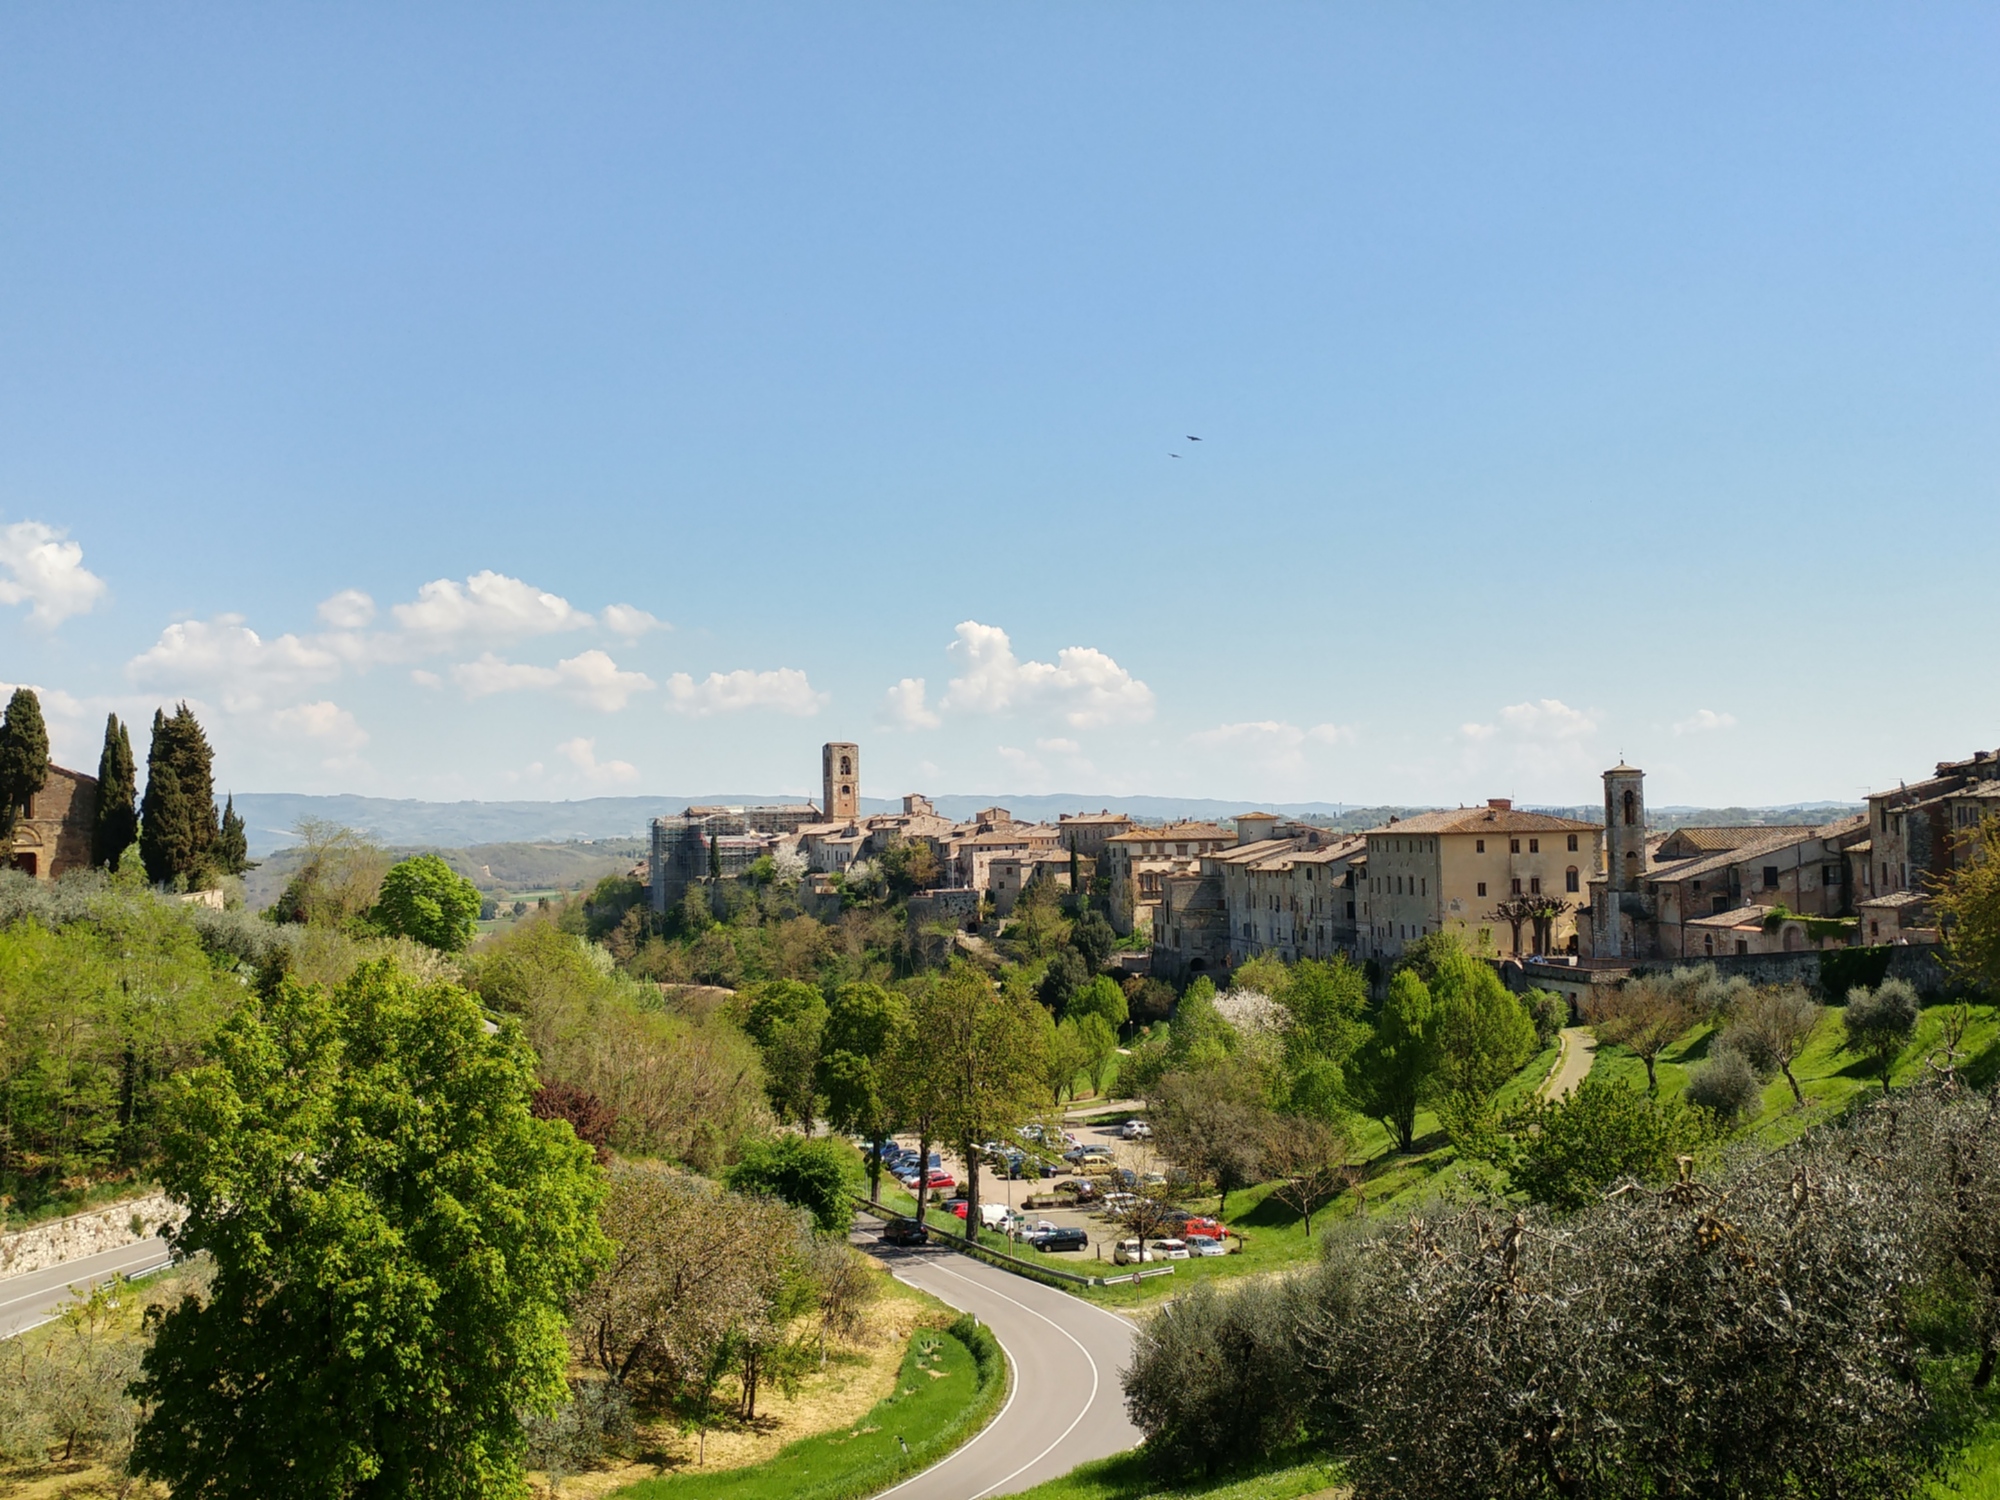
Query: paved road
[1067, 1406]
[33, 1298]
[1579, 1047]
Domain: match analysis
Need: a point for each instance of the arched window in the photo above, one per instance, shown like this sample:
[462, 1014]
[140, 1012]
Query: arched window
[1570, 879]
[847, 769]
[1631, 807]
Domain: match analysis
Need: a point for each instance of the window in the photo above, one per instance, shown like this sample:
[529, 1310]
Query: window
[1482, 887]
[1572, 843]
[1513, 846]
[1517, 885]
[1770, 877]
[1631, 807]
[1350, 911]
[1535, 885]
[1479, 846]
[1830, 875]
[1571, 880]
[1708, 944]
[1534, 846]
[1742, 945]
[1426, 887]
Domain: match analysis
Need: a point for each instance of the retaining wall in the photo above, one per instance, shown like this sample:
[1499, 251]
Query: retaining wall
[108, 1228]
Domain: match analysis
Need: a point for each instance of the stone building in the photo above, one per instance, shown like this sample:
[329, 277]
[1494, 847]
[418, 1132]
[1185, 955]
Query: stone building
[1259, 894]
[1139, 862]
[681, 846]
[1446, 871]
[1087, 833]
[1011, 874]
[52, 831]
[840, 780]
[1917, 834]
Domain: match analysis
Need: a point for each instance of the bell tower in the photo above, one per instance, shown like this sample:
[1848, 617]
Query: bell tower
[840, 778]
[1625, 828]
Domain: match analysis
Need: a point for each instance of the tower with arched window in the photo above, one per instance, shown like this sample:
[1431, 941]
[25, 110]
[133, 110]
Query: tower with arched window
[1625, 828]
[840, 776]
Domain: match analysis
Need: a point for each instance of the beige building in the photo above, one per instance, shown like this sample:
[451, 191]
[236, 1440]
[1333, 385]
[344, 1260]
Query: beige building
[1446, 871]
[1139, 862]
[1087, 833]
[1011, 874]
[52, 831]
[1294, 897]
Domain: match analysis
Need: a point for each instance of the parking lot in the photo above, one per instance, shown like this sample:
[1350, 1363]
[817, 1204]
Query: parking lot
[995, 1187]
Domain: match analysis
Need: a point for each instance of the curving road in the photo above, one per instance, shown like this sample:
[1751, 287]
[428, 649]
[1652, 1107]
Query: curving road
[32, 1298]
[1067, 1406]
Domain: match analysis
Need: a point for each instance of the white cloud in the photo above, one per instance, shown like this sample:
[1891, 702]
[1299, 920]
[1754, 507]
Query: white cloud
[582, 753]
[324, 723]
[1705, 721]
[629, 621]
[46, 571]
[1544, 747]
[350, 609]
[1271, 745]
[1085, 686]
[1059, 747]
[591, 677]
[906, 706]
[784, 691]
[229, 656]
[488, 608]
[425, 679]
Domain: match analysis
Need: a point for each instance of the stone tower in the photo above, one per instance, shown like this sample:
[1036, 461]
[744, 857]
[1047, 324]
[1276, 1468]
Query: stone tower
[1625, 828]
[840, 775]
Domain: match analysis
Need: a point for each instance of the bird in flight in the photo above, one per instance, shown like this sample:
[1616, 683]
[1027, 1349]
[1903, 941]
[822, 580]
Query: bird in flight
[1173, 455]
[1192, 438]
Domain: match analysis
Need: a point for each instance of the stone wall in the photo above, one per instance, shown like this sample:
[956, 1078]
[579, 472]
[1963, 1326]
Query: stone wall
[109, 1228]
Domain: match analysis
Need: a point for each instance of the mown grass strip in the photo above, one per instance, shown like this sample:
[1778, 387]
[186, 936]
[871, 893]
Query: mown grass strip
[1126, 1476]
[951, 1383]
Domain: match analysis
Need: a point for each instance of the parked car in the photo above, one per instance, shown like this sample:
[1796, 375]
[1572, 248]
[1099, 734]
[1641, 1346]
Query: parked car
[1206, 1247]
[1131, 1252]
[904, 1232]
[1059, 1239]
[958, 1207]
[1081, 1188]
[1196, 1228]
[1170, 1250]
[1137, 1130]
[940, 1178]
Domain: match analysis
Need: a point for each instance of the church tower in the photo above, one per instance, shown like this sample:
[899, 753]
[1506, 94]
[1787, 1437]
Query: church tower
[1625, 828]
[840, 776]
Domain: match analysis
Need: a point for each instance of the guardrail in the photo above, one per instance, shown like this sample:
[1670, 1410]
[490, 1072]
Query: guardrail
[1029, 1268]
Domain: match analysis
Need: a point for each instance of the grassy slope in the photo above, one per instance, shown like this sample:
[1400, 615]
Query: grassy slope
[938, 1403]
[1124, 1476]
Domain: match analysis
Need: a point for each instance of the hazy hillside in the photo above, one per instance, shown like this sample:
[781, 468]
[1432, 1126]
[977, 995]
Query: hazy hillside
[512, 868]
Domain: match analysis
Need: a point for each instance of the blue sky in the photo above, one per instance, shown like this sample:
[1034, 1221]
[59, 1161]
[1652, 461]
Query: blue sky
[506, 401]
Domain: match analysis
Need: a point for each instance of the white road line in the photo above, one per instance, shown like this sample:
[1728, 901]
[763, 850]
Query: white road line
[998, 1417]
[1082, 1412]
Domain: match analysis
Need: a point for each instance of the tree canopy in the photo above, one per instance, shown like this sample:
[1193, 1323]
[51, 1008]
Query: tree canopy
[24, 755]
[425, 899]
[394, 1236]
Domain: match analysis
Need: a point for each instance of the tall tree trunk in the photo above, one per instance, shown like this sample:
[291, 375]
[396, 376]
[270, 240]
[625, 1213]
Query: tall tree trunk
[1652, 1078]
[971, 1192]
[923, 1172]
[875, 1173]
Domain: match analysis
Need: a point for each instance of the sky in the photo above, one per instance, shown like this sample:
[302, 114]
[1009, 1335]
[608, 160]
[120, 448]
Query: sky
[1355, 403]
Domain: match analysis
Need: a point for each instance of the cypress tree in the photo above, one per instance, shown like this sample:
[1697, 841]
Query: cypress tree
[194, 764]
[117, 797]
[180, 799]
[164, 842]
[232, 848]
[24, 756]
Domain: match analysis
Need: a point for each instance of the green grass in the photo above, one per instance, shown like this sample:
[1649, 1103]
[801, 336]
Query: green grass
[944, 1394]
[1124, 1476]
[1829, 1077]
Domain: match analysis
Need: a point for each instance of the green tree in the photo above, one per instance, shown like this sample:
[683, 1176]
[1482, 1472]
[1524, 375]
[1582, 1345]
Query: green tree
[1094, 940]
[814, 1174]
[1211, 1122]
[232, 844]
[1100, 997]
[862, 1025]
[787, 1020]
[1322, 1005]
[177, 823]
[1400, 1058]
[1567, 1152]
[1483, 1033]
[986, 1060]
[395, 1238]
[24, 756]
[1064, 978]
[1880, 1023]
[426, 900]
[117, 824]
[909, 865]
[1968, 906]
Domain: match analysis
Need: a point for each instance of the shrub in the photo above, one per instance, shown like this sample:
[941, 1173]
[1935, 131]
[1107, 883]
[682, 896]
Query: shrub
[1725, 1084]
[1549, 1012]
[1215, 1377]
[1567, 1152]
[815, 1175]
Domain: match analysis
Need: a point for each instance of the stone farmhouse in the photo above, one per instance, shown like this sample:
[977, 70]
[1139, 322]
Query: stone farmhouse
[52, 829]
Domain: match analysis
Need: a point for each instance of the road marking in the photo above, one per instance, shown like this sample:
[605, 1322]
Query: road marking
[998, 1417]
[1082, 1412]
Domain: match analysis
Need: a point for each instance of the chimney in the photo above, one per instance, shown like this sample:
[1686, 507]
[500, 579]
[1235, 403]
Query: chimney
[1500, 804]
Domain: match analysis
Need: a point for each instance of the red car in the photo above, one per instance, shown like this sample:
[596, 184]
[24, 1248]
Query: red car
[1201, 1229]
[958, 1207]
[942, 1179]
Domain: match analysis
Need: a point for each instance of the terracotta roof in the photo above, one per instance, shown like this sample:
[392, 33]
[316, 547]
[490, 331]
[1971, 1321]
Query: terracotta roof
[1896, 899]
[1703, 864]
[1713, 840]
[1484, 820]
[1743, 916]
[1184, 832]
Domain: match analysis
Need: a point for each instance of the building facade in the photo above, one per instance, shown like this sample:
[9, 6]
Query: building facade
[1138, 863]
[52, 832]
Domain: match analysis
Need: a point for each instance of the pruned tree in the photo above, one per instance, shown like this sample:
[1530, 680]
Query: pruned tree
[1880, 1023]
[1544, 911]
[1517, 912]
[1644, 1015]
[1309, 1159]
[1771, 1026]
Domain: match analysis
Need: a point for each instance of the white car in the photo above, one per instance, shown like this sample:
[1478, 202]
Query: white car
[1129, 1253]
[1137, 1130]
[1170, 1249]
[1204, 1247]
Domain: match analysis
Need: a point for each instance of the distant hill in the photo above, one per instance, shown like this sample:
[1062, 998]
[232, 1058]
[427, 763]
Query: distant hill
[512, 869]
[269, 816]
